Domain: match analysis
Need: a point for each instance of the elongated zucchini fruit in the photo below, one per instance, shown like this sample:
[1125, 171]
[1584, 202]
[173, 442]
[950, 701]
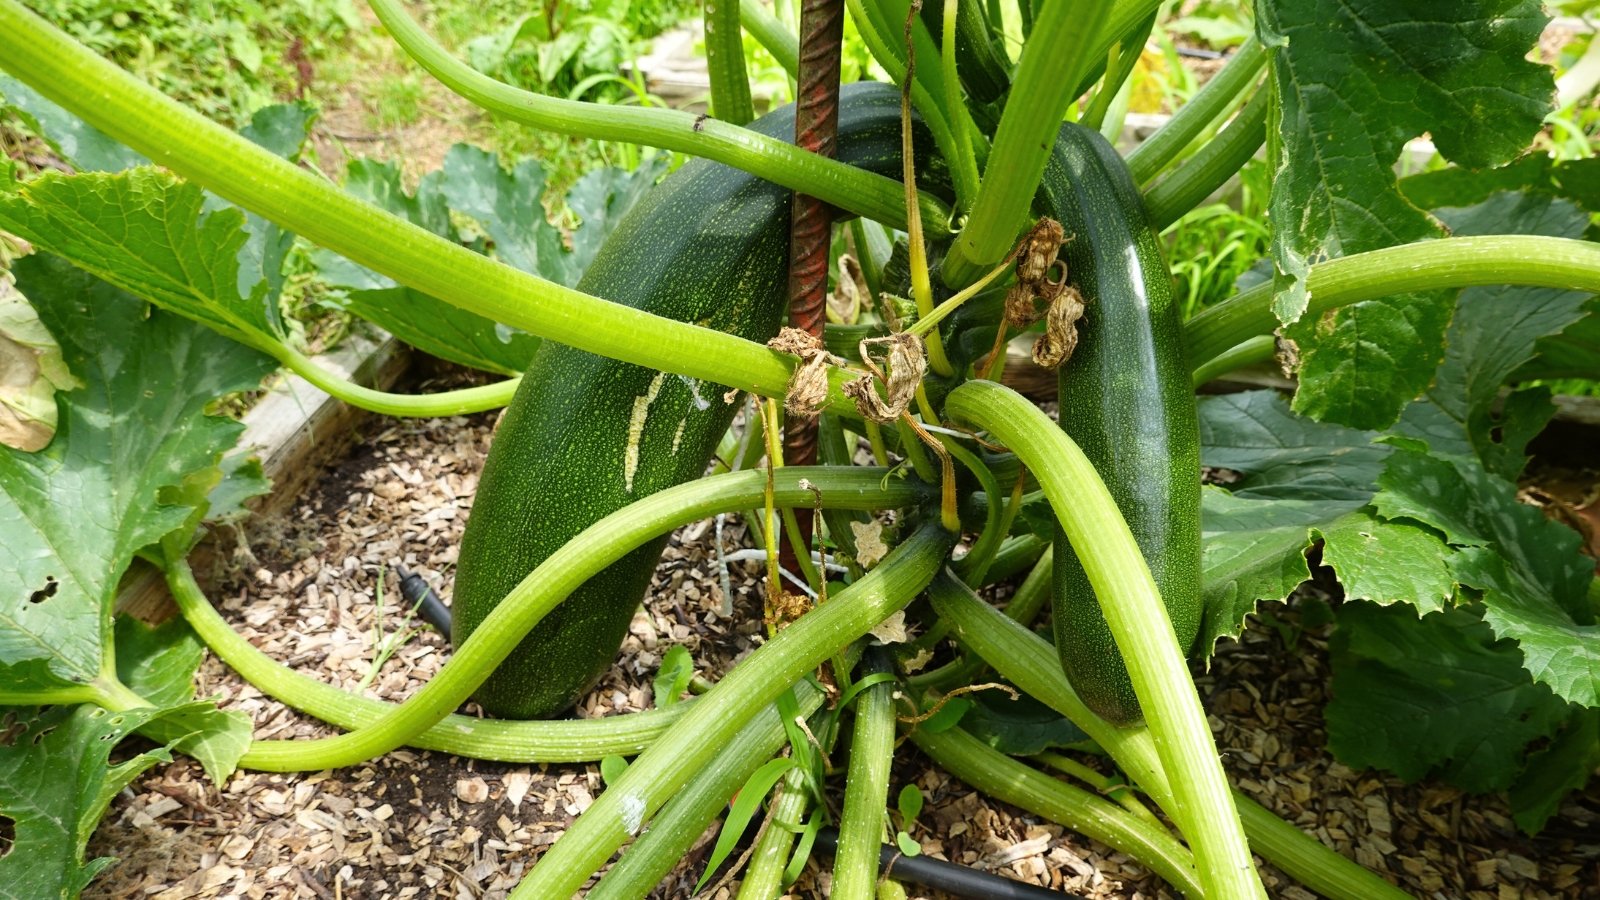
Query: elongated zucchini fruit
[1127, 400]
[586, 435]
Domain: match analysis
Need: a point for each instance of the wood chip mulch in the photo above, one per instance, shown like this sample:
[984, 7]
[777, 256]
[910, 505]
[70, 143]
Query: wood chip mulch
[418, 824]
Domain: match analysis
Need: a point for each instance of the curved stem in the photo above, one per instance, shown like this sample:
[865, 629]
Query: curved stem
[577, 740]
[1040, 94]
[1000, 776]
[730, 86]
[1127, 52]
[771, 35]
[1138, 621]
[966, 171]
[444, 403]
[1209, 169]
[1425, 265]
[663, 769]
[1256, 350]
[866, 792]
[975, 564]
[1205, 107]
[1115, 791]
[684, 819]
[844, 186]
[1030, 662]
[598, 546]
[241, 172]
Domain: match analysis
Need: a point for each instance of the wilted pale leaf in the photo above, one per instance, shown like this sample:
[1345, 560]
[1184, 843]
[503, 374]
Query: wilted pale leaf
[31, 371]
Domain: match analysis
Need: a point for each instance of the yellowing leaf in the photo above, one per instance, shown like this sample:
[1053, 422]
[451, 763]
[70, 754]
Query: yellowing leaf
[869, 543]
[31, 371]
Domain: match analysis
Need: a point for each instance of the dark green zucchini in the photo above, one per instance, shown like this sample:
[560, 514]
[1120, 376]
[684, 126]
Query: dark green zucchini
[1127, 400]
[586, 435]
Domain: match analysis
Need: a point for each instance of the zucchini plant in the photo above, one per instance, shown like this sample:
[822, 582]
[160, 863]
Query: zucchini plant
[1404, 306]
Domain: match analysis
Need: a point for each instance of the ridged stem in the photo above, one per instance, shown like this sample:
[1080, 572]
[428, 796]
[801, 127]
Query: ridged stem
[781, 163]
[1223, 156]
[1422, 266]
[305, 203]
[1207, 105]
[1030, 662]
[557, 741]
[445, 403]
[1255, 350]
[662, 770]
[1041, 91]
[763, 877]
[1138, 621]
[730, 86]
[1004, 778]
[684, 819]
[598, 546]
[866, 792]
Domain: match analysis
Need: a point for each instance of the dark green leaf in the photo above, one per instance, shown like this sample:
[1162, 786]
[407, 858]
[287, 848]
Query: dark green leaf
[1283, 455]
[1564, 766]
[1437, 695]
[55, 783]
[1577, 181]
[1532, 577]
[1353, 81]
[1493, 333]
[1020, 727]
[1254, 550]
[73, 515]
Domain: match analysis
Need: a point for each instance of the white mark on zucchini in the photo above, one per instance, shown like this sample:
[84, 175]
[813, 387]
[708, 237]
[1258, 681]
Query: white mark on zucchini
[632, 813]
[677, 436]
[693, 384]
[641, 408]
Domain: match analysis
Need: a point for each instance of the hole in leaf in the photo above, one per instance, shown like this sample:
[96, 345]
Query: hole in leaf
[46, 592]
[11, 729]
[8, 835]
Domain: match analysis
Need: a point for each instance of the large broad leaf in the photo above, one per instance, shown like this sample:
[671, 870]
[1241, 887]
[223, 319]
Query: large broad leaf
[1495, 331]
[56, 781]
[1297, 480]
[73, 515]
[1352, 82]
[1433, 695]
[159, 665]
[1532, 578]
[149, 234]
[1565, 765]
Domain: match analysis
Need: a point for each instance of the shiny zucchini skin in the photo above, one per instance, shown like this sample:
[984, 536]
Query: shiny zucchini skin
[1127, 400]
[586, 435]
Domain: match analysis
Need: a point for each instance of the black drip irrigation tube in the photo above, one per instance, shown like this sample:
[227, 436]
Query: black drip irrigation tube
[952, 878]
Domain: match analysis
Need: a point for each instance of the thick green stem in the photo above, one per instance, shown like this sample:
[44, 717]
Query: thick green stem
[1423, 266]
[559, 741]
[1209, 169]
[763, 877]
[307, 204]
[884, 36]
[1256, 350]
[866, 792]
[1210, 103]
[1138, 621]
[598, 546]
[966, 183]
[730, 86]
[1029, 662]
[662, 770]
[1004, 778]
[771, 35]
[684, 818]
[1041, 92]
[445, 403]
